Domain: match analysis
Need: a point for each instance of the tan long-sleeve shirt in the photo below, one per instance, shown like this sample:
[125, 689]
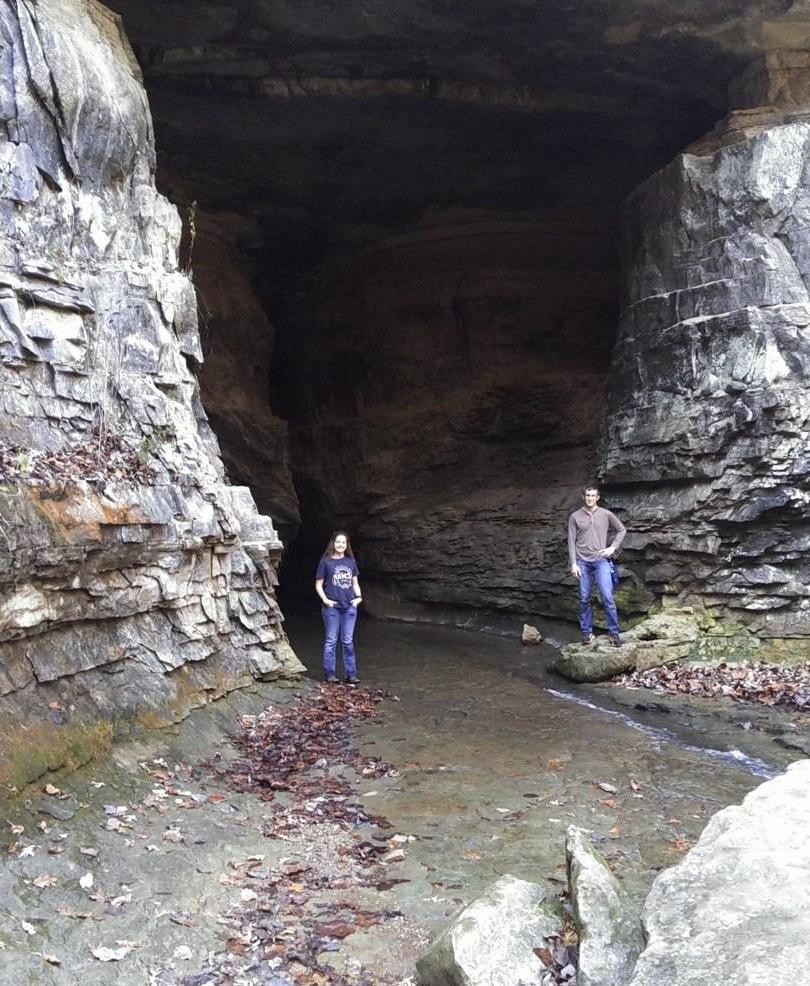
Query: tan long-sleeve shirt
[588, 533]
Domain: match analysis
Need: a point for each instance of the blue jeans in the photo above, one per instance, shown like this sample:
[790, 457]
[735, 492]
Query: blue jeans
[339, 624]
[598, 571]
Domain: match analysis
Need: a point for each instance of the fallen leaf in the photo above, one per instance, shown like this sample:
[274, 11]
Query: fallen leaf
[28, 928]
[44, 880]
[52, 790]
[545, 956]
[27, 851]
[609, 788]
[88, 851]
[336, 929]
[51, 959]
[556, 765]
[86, 881]
[16, 829]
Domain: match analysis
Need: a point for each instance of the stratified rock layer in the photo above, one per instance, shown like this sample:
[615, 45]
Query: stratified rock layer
[444, 393]
[708, 418]
[134, 588]
[740, 900]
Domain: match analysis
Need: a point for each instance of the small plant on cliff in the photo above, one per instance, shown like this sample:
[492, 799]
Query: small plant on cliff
[152, 444]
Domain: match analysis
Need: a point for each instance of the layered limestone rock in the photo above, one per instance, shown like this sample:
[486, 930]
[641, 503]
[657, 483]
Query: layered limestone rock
[444, 409]
[133, 580]
[708, 414]
[740, 892]
[237, 338]
[660, 639]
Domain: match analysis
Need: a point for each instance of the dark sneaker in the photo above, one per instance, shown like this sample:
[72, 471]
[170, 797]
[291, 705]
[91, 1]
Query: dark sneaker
[351, 680]
[331, 680]
[615, 640]
[588, 639]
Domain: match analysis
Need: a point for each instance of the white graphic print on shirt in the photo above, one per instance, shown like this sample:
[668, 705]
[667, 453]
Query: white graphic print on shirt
[342, 577]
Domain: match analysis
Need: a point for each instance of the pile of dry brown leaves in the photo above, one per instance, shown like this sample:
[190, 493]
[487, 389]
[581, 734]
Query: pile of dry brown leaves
[765, 684]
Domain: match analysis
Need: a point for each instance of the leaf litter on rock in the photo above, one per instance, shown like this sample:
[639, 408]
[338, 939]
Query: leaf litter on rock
[287, 754]
[762, 684]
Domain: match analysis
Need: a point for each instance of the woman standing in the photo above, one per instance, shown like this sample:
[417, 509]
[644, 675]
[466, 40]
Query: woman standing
[338, 589]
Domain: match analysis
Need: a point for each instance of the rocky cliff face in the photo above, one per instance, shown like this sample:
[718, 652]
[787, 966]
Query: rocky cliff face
[708, 413]
[133, 580]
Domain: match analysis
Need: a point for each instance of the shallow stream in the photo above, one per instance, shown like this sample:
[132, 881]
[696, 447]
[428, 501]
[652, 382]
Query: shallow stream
[493, 759]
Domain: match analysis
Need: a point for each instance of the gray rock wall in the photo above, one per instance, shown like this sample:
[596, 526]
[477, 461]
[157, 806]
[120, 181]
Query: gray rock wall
[706, 436]
[122, 549]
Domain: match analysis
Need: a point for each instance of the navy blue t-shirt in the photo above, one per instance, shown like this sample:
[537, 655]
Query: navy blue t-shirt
[337, 575]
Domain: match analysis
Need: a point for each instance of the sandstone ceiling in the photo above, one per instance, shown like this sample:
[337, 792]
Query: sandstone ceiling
[332, 123]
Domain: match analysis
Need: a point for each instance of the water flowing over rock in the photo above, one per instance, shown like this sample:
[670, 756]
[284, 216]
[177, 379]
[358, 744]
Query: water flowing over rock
[738, 905]
[491, 942]
[610, 936]
[134, 584]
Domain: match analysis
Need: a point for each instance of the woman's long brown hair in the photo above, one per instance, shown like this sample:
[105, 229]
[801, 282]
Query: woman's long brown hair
[330, 547]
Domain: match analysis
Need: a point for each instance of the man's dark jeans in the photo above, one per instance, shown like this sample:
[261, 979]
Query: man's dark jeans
[599, 572]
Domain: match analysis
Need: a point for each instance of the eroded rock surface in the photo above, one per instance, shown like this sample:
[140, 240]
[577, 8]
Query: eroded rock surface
[660, 639]
[708, 410]
[743, 889]
[130, 588]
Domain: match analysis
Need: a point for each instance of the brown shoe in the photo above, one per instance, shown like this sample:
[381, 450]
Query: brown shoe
[615, 640]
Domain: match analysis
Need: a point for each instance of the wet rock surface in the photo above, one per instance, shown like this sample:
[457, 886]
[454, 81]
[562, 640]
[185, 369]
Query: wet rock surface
[659, 640]
[491, 767]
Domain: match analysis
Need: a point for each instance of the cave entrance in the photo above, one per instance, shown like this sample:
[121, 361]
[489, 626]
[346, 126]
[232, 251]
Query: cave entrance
[407, 250]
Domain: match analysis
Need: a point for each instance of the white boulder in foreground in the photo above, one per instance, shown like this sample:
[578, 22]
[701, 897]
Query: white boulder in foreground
[736, 909]
[491, 942]
[610, 936]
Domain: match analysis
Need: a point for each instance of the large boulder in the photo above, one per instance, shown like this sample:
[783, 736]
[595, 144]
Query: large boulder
[660, 639]
[736, 909]
[610, 935]
[491, 942]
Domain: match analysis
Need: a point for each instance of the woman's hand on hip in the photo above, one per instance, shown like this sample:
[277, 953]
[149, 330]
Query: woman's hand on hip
[356, 601]
[329, 603]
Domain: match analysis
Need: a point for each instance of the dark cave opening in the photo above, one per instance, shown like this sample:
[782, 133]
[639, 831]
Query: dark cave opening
[408, 248]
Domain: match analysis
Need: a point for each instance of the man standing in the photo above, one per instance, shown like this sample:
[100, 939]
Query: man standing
[588, 553]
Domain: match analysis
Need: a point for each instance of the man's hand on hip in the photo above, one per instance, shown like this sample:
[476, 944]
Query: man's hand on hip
[607, 552]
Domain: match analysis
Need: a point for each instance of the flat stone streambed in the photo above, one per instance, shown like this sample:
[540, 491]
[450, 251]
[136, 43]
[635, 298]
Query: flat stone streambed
[154, 867]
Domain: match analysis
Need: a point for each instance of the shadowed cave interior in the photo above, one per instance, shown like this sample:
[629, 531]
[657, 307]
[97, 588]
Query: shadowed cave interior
[407, 223]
